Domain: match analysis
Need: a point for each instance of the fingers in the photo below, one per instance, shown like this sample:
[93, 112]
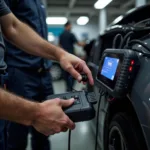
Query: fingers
[87, 71]
[60, 127]
[64, 103]
[74, 73]
[69, 124]
[82, 67]
[75, 66]
[64, 129]
[65, 125]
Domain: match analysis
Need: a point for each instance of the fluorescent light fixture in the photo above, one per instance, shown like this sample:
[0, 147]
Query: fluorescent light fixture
[83, 20]
[100, 4]
[56, 20]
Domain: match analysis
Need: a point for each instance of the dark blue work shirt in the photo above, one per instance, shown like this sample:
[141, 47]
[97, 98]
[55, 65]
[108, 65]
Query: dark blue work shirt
[31, 12]
[4, 10]
[67, 41]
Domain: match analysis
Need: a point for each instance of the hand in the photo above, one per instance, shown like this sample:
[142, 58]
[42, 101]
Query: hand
[75, 66]
[51, 119]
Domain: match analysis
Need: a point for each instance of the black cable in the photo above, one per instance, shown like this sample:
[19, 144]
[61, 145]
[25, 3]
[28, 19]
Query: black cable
[129, 44]
[126, 39]
[140, 51]
[141, 43]
[126, 43]
[118, 36]
[69, 140]
[97, 119]
[69, 134]
[136, 50]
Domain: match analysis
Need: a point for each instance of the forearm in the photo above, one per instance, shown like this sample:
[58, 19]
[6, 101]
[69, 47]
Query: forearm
[17, 109]
[82, 44]
[25, 38]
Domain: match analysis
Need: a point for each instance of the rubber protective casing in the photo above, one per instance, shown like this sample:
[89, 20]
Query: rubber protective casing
[125, 78]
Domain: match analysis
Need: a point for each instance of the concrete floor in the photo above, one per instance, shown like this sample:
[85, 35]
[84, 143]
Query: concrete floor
[82, 136]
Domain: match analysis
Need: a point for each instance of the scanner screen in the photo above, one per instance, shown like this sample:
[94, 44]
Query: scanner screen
[109, 67]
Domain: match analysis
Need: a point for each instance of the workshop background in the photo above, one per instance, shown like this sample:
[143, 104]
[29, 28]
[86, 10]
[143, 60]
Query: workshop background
[88, 22]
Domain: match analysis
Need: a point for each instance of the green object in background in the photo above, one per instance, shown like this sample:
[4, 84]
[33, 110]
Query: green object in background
[55, 30]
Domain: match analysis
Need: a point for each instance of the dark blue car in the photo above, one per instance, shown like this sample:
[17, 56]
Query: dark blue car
[124, 124]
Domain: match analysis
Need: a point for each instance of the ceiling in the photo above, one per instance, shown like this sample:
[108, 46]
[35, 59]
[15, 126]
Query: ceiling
[76, 8]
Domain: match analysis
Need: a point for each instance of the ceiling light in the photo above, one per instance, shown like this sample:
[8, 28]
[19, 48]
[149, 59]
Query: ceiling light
[100, 4]
[83, 20]
[56, 20]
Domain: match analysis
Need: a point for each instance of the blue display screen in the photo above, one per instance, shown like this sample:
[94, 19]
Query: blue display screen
[110, 67]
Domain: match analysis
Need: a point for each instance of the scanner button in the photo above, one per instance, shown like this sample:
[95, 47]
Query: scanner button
[78, 102]
[64, 97]
[75, 102]
[76, 97]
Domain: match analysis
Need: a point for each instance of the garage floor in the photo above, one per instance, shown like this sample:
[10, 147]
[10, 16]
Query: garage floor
[82, 136]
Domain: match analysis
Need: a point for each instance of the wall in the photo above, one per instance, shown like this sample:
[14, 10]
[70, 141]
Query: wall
[91, 29]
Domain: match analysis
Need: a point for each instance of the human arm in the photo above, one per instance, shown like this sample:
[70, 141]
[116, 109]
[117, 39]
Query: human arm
[82, 44]
[25, 38]
[48, 117]
[75, 41]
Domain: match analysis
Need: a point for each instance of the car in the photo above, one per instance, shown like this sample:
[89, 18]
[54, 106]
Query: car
[124, 124]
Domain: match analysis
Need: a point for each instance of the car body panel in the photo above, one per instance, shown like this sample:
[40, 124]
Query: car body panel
[140, 94]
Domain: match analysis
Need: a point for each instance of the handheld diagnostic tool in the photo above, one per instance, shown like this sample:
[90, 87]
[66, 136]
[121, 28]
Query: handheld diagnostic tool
[117, 71]
[82, 109]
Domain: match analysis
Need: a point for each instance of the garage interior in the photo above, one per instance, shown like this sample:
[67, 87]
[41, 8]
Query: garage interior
[83, 137]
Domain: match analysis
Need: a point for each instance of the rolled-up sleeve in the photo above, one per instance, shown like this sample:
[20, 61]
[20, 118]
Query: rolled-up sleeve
[4, 10]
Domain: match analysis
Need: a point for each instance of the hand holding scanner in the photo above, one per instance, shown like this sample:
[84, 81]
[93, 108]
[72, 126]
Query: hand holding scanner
[82, 109]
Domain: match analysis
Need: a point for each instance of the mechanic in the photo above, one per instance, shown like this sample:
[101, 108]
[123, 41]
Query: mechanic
[67, 41]
[47, 117]
[34, 71]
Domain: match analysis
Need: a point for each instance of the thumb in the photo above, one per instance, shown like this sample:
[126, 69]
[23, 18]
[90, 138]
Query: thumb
[66, 103]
